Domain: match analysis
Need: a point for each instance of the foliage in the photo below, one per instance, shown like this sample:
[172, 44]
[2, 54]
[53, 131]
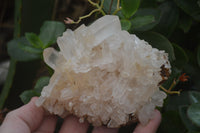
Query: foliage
[31, 46]
[170, 25]
[28, 94]
[129, 7]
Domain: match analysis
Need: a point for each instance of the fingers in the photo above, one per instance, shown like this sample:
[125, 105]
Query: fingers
[71, 124]
[48, 125]
[152, 126]
[24, 119]
[104, 130]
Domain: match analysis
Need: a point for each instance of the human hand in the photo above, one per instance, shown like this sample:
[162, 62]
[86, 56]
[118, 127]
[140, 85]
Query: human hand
[29, 118]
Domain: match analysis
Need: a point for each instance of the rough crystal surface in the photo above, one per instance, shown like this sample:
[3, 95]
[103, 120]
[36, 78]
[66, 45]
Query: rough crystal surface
[104, 75]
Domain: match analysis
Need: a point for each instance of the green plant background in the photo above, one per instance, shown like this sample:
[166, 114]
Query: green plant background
[170, 25]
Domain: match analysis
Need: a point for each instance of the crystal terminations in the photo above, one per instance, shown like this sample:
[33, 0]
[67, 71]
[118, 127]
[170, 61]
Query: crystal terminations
[104, 75]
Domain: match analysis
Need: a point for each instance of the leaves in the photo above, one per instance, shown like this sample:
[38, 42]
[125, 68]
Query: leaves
[20, 50]
[190, 7]
[173, 102]
[181, 56]
[185, 23]
[141, 21]
[160, 42]
[129, 7]
[34, 40]
[187, 122]
[181, 103]
[28, 94]
[126, 24]
[171, 123]
[194, 97]
[31, 47]
[109, 6]
[193, 113]
[43, 81]
[169, 18]
[145, 19]
[49, 32]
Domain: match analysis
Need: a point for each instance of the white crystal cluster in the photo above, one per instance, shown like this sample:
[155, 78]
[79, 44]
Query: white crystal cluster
[104, 75]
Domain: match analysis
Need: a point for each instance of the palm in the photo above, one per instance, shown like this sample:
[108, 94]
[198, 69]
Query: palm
[30, 118]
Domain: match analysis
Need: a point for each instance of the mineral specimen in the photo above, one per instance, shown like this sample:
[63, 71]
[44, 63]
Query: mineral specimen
[104, 75]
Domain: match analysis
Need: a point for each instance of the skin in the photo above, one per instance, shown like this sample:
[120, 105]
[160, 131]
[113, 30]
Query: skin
[31, 119]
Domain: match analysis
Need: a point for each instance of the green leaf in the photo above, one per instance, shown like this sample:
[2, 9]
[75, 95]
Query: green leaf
[169, 18]
[173, 102]
[30, 49]
[186, 121]
[171, 123]
[49, 32]
[185, 23]
[126, 24]
[194, 97]
[27, 95]
[193, 113]
[181, 56]
[41, 82]
[141, 21]
[17, 49]
[190, 7]
[129, 7]
[198, 55]
[160, 42]
[34, 40]
[145, 16]
[108, 8]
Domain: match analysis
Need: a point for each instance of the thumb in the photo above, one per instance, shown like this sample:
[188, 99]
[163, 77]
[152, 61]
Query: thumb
[152, 126]
[24, 119]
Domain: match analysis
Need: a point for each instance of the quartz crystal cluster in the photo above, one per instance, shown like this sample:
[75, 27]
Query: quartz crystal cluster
[104, 75]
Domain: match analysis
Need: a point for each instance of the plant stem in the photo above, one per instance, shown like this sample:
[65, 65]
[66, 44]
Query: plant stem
[118, 1]
[118, 8]
[8, 83]
[11, 71]
[172, 85]
[116, 11]
[110, 7]
[54, 10]
[86, 16]
[99, 9]
[93, 3]
[169, 91]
